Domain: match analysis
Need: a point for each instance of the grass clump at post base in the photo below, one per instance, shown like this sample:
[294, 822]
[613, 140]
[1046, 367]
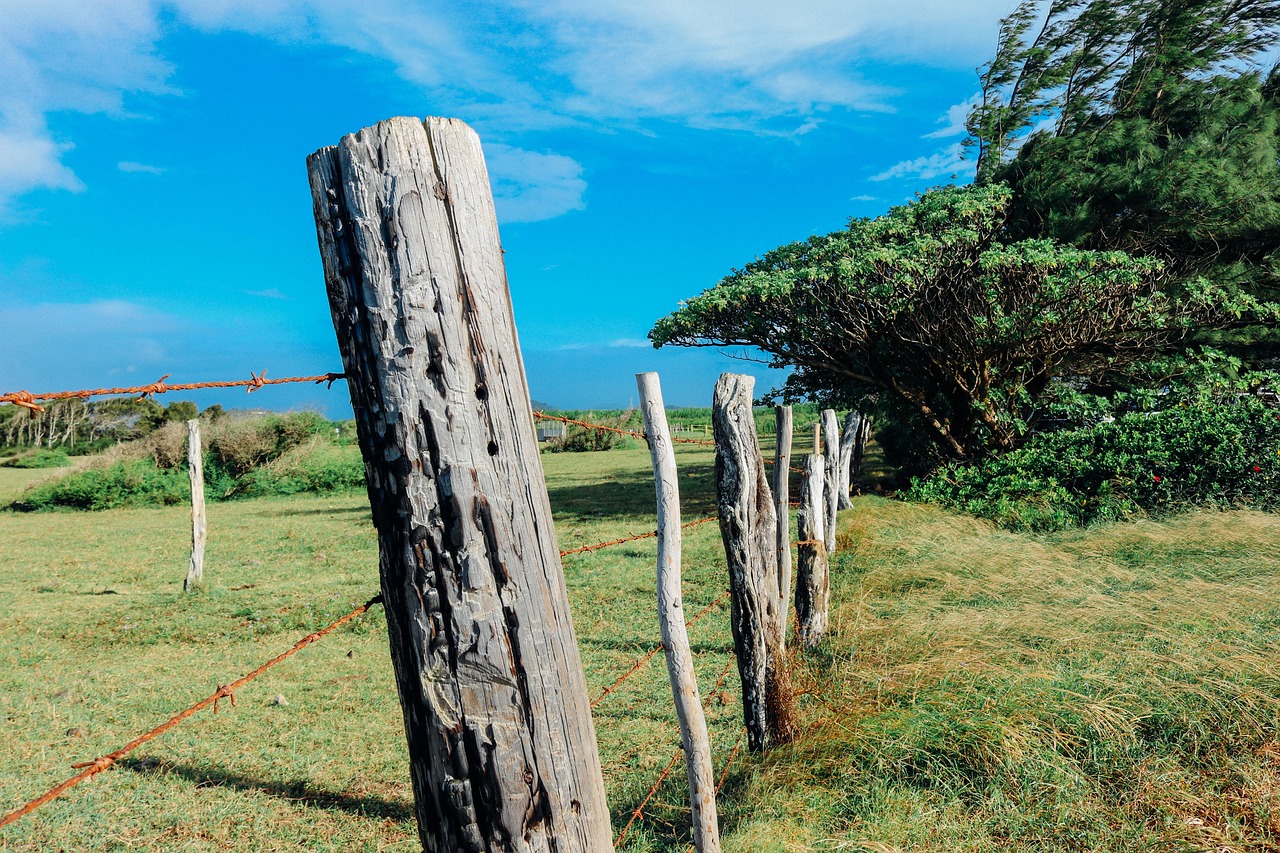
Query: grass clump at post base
[271, 455]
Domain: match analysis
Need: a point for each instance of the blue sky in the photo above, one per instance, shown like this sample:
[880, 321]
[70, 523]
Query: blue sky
[155, 215]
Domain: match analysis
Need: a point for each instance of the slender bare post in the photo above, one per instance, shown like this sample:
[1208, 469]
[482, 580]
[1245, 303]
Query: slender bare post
[502, 752]
[817, 436]
[748, 527]
[782, 507]
[831, 457]
[848, 438]
[860, 448]
[199, 527]
[675, 636]
[812, 577]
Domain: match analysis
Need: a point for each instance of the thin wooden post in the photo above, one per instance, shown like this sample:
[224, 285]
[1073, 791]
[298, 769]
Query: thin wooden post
[782, 508]
[675, 635]
[831, 457]
[502, 751]
[748, 527]
[860, 448]
[199, 526]
[817, 436]
[848, 438]
[813, 583]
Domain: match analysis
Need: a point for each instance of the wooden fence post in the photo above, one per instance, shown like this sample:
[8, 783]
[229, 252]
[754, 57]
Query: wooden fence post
[860, 448]
[812, 577]
[831, 457]
[675, 635]
[199, 527]
[848, 438]
[782, 507]
[502, 751]
[748, 526]
[817, 436]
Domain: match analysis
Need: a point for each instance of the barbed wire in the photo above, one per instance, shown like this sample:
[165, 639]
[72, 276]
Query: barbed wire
[28, 400]
[619, 430]
[89, 769]
[586, 549]
[662, 777]
[649, 656]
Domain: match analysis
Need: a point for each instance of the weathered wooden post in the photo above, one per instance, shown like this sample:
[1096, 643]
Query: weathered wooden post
[860, 448]
[502, 751]
[848, 438]
[675, 636]
[817, 436]
[831, 457]
[199, 527]
[748, 527]
[782, 508]
[812, 576]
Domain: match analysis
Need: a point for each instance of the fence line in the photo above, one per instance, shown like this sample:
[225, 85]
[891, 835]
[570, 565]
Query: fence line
[27, 400]
[225, 691]
[586, 549]
[662, 777]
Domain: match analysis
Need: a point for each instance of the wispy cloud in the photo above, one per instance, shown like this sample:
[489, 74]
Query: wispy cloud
[947, 162]
[953, 120]
[863, 198]
[130, 166]
[529, 186]
[269, 293]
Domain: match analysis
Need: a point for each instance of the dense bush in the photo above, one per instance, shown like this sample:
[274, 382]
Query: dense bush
[1203, 452]
[276, 454]
[579, 439]
[42, 458]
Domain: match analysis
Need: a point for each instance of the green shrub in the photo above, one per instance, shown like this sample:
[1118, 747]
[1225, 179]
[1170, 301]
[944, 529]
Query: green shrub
[315, 468]
[42, 458]
[127, 483]
[1194, 454]
[579, 439]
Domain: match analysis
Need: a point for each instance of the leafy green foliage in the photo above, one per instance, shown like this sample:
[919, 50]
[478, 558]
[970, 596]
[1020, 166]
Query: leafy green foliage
[580, 439]
[1198, 452]
[957, 331]
[42, 458]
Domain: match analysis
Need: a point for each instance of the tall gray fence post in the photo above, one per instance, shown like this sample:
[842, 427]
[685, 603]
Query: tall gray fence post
[502, 752]
[831, 457]
[848, 439]
[748, 527]
[671, 622]
[782, 507]
[199, 524]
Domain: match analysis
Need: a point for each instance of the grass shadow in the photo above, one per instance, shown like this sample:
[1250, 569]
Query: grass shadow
[296, 791]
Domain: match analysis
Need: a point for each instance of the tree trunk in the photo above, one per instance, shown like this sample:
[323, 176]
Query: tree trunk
[812, 576]
[782, 508]
[848, 438]
[675, 636]
[748, 526]
[195, 468]
[502, 751]
[831, 457]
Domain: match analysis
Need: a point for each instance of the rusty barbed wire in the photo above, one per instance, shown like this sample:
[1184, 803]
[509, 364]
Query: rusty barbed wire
[27, 400]
[648, 657]
[224, 691]
[586, 549]
[619, 430]
[724, 773]
[662, 777]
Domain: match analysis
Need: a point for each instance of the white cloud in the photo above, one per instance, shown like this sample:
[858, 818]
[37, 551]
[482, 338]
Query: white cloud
[509, 66]
[269, 293]
[949, 161]
[130, 166]
[529, 186]
[863, 198]
[953, 120]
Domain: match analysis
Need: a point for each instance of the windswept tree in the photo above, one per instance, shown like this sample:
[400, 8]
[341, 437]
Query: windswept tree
[1147, 126]
[958, 331]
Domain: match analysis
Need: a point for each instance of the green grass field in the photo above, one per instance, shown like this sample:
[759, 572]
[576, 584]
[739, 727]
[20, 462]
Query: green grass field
[1111, 689]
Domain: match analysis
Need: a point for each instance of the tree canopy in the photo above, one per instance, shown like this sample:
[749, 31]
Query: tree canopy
[1140, 125]
[929, 307]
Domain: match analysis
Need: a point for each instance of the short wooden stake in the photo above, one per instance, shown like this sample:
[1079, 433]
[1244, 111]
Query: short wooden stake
[502, 751]
[748, 526]
[812, 576]
[831, 459]
[782, 508]
[671, 622]
[199, 526]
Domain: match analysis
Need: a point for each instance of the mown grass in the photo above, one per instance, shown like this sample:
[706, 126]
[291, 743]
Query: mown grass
[1107, 689]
